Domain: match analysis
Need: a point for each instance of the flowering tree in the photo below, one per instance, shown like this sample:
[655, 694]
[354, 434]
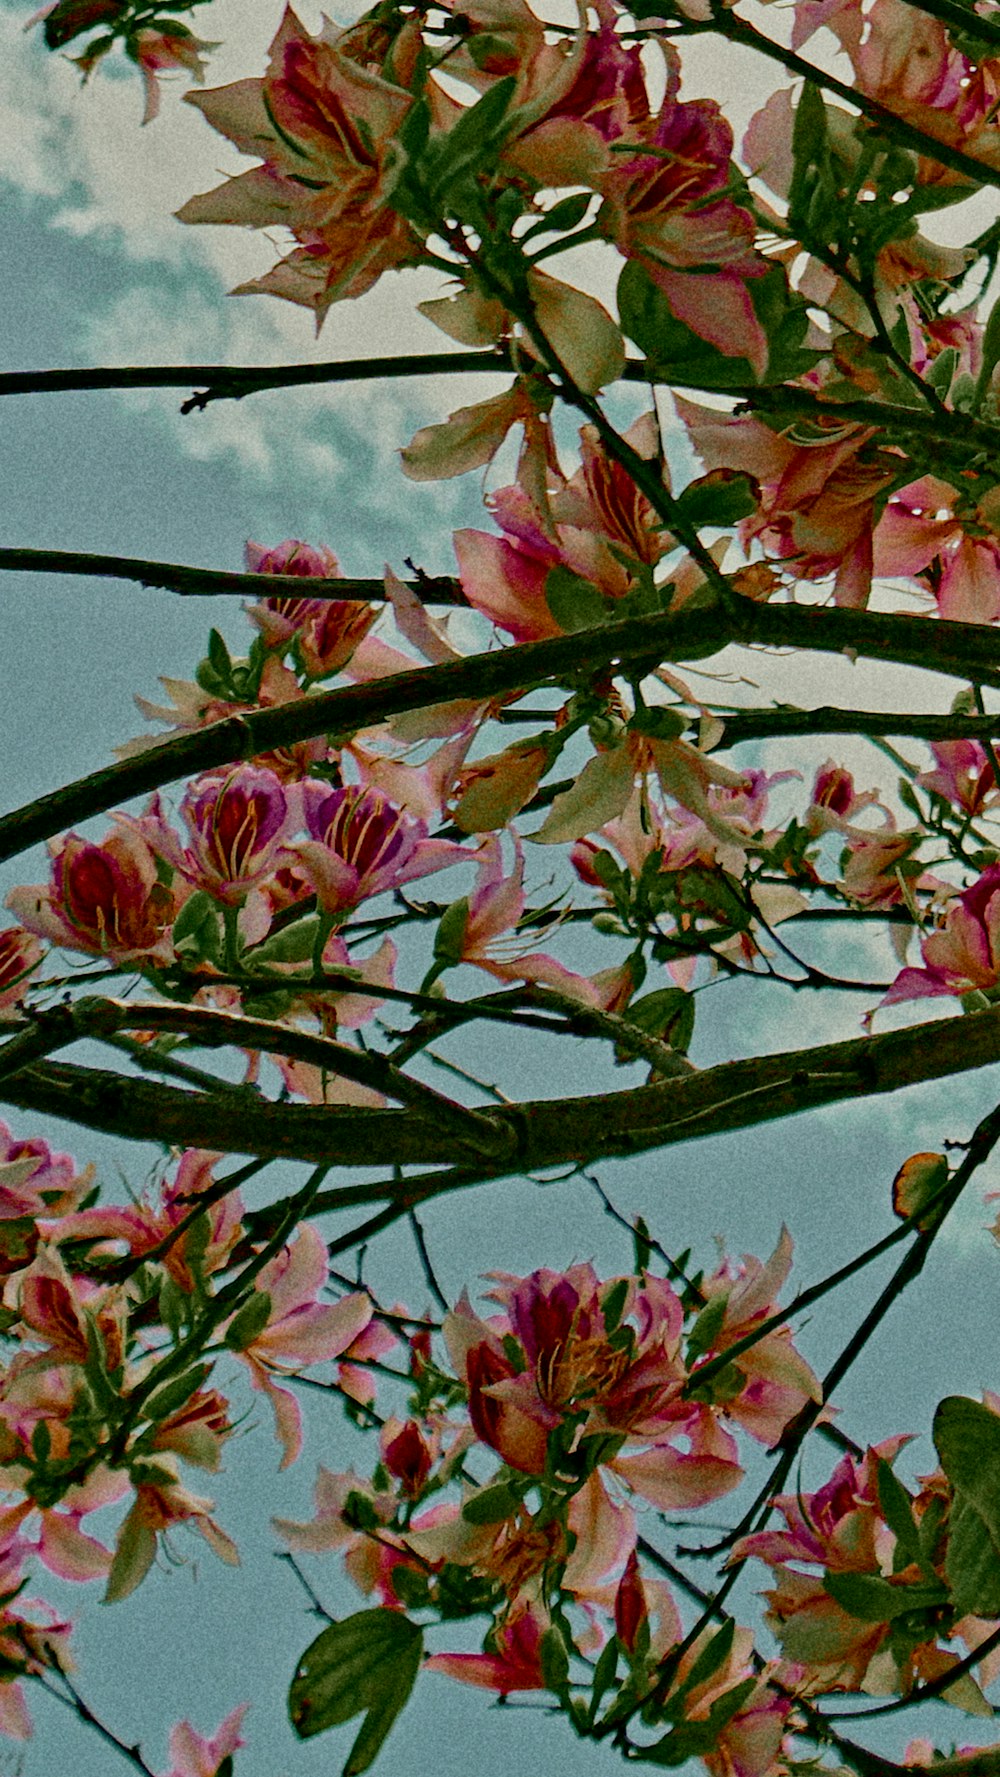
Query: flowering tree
[358, 835]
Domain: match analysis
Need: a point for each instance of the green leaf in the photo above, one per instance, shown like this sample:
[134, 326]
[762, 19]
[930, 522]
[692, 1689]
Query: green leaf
[897, 1510]
[470, 146]
[605, 1673]
[991, 354]
[70, 18]
[712, 1656]
[703, 1334]
[667, 1013]
[659, 722]
[690, 1739]
[249, 1322]
[293, 944]
[642, 1245]
[367, 1663]
[173, 1395]
[173, 1306]
[876, 1600]
[972, 1562]
[491, 1506]
[450, 935]
[808, 137]
[574, 603]
[135, 1551]
[721, 498]
[567, 214]
[197, 930]
[967, 1440]
[555, 1660]
[613, 1303]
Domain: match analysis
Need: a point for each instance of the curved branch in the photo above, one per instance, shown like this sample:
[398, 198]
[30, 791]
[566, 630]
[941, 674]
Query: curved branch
[62, 1025]
[962, 650]
[543, 1133]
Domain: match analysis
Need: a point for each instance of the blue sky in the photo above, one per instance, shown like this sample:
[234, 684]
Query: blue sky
[100, 273]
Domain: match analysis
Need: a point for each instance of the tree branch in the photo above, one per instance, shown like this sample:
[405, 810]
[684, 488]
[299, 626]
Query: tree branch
[547, 1132]
[962, 650]
[216, 583]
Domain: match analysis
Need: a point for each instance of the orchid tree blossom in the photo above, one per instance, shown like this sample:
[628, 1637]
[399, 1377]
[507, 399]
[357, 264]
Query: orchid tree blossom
[298, 1329]
[360, 845]
[963, 954]
[106, 899]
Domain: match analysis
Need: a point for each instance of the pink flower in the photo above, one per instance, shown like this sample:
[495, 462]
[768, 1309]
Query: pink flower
[873, 863]
[839, 1529]
[139, 1226]
[963, 775]
[157, 1506]
[192, 707]
[361, 844]
[493, 910]
[194, 1756]
[299, 1330]
[558, 1356]
[325, 631]
[596, 525]
[777, 1381]
[58, 1309]
[104, 899]
[666, 205]
[835, 801]
[325, 122]
[156, 51]
[27, 1644]
[514, 1661]
[34, 1181]
[964, 952]
[238, 821]
[816, 506]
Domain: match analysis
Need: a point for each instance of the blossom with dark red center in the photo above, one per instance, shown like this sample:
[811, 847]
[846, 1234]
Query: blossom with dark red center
[326, 631]
[361, 844]
[104, 899]
[237, 820]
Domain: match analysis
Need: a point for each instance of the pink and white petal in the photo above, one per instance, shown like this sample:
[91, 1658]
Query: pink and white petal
[297, 1274]
[286, 1410]
[599, 794]
[15, 1720]
[69, 1551]
[316, 1331]
[194, 1756]
[605, 1534]
[675, 1482]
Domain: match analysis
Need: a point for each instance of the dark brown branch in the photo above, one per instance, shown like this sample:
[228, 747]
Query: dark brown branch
[962, 650]
[549, 1132]
[346, 710]
[743, 725]
[216, 583]
[232, 382]
[95, 1017]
